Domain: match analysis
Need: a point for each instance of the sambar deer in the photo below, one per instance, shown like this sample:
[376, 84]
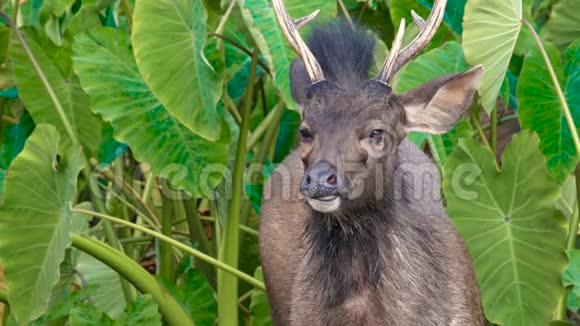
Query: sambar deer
[353, 229]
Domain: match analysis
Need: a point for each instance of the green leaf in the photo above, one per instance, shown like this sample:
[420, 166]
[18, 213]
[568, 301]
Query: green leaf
[61, 310]
[259, 308]
[453, 13]
[567, 203]
[57, 66]
[289, 125]
[540, 109]
[110, 148]
[57, 7]
[87, 17]
[107, 293]
[511, 226]
[141, 312]
[490, 33]
[400, 9]
[53, 30]
[86, 315]
[12, 144]
[62, 290]
[39, 189]
[196, 296]
[170, 52]
[571, 277]
[561, 323]
[108, 72]
[29, 13]
[438, 62]
[563, 27]
[263, 26]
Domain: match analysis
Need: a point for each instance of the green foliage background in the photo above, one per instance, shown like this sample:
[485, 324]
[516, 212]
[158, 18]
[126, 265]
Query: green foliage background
[135, 138]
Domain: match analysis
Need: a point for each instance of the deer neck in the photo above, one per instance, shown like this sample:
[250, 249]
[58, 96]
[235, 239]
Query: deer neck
[344, 250]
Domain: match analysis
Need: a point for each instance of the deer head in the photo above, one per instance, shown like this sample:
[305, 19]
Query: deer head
[352, 125]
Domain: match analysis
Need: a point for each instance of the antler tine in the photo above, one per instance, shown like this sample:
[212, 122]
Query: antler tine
[427, 30]
[300, 22]
[386, 72]
[290, 30]
[419, 21]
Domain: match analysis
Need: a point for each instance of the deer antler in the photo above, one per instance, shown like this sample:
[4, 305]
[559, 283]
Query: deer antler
[427, 29]
[290, 30]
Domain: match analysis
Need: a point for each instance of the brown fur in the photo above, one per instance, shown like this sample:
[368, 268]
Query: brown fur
[371, 244]
[409, 294]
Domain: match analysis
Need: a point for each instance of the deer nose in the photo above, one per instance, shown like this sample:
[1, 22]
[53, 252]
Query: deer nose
[320, 181]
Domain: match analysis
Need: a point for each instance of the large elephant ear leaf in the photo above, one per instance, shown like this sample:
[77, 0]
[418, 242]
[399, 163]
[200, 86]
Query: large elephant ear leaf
[169, 54]
[540, 108]
[56, 64]
[563, 27]
[109, 74]
[514, 222]
[490, 32]
[34, 229]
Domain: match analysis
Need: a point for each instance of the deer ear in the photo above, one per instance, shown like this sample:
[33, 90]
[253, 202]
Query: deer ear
[436, 106]
[299, 81]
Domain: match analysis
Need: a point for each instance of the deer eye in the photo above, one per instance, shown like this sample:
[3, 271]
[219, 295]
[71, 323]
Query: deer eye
[306, 135]
[377, 135]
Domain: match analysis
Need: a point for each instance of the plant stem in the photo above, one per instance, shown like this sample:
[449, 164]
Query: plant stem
[562, 307]
[165, 256]
[55, 101]
[436, 157]
[10, 120]
[196, 253]
[242, 48]
[255, 170]
[243, 228]
[345, 12]
[128, 14]
[229, 251]
[501, 121]
[263, 126]
[563, 102]
[3, 296]
[171, 311]
[362, 11]
[15, 7]
[132, 196]
[214, 211]
[196, 231]
[484, 140]
[224, 19]
[571, 242]
[494, 131]
[6, 316]
[110, 234]
[232, 108]
[118, 165]
[2, 106]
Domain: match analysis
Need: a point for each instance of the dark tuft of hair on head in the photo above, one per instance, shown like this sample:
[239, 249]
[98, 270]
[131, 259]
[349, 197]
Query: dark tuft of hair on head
[345, 52]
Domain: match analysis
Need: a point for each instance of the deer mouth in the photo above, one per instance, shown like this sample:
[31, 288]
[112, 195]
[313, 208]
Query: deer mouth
[327, 204]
